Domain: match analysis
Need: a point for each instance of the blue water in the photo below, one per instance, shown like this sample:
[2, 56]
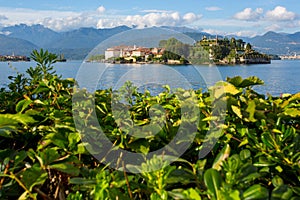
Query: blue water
[281, 76]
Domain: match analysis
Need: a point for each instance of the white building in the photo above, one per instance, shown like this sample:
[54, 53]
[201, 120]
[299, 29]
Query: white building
[138, 53]
[113, 53]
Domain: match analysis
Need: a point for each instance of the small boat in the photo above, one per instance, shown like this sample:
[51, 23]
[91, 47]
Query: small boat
[61, 58]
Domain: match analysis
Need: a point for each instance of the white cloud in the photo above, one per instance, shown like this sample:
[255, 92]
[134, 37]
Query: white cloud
[70, 22]
[273, 27]
[54, 19]
[3, 17]
[29, 16]
[65, 20]
[249, 15]
[155, 11]
[242, 33]
[214, 32]
[280, 14]
[213, 8]
[5, 32]
[101, 9]
[190, 17]
[150, 19]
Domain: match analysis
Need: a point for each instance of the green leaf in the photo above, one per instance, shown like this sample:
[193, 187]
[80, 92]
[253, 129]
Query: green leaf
[224, 88]
[245, 154]
[264, 162]
[34, 176]
[251, 110]
[277, 181]
[256, 192]
[12, 120]
[292, 112]
[237, 111]
[269, 141]
[192, 194]
[234, 195]
[222, 155]
[22, 105]
[20, 157]
[66, 168]
[250, 81]
[82, 181]
[213, 181]
[236, 81]
[49, 155]
[282, 192]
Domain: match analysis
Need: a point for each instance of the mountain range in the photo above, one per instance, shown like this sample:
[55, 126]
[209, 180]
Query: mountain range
[76, 44]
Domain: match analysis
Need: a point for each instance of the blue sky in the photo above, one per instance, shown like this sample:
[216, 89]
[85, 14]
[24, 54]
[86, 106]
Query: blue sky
[243, 18]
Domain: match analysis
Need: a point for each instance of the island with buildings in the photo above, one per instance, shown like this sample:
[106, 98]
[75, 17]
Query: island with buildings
[220, 51]
[13, 58]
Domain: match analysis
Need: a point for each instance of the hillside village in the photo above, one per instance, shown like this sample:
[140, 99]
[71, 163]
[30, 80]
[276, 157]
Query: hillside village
[171, 51]
[133, 54]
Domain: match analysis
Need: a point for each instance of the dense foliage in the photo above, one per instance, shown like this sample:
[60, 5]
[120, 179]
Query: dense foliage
[256, 156]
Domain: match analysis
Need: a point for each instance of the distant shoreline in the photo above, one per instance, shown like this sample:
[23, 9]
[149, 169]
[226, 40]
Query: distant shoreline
[13, 58]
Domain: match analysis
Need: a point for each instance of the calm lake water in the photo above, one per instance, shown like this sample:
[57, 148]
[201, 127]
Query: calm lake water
[281, 76]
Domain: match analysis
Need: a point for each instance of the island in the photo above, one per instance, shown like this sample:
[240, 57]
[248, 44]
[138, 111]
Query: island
[13, 58]
[220, 51]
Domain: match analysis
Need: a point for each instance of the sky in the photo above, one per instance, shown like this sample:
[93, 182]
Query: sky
[223, 17]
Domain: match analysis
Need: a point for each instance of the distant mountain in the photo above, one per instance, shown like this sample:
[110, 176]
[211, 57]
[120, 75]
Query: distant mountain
[36, 34]
[85, 37]
[76, 44]
[277, 43]
[181, 29]
[73, 44]
[9, 46]
[295, 37]
[199, 35]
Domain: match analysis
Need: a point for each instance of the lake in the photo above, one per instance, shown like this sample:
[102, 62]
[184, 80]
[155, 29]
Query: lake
[281, 76]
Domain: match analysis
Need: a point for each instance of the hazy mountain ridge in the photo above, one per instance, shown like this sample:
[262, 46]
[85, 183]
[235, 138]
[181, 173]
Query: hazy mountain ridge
[75, 44]
[10, 45]
[277, 43]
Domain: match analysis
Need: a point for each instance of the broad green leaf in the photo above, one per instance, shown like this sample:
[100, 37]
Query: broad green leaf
[49, 155]
[237, 111]
[292, 112]
[236, 81]
[282, 192]
[192, 194]
[277, 181]
[245, 154]
[34, 176]
[256, 192]
[213, 182]
[22, 105]
[250, 81]
[221, 157]
[66, 168]
[295, 97]
[20, 157]
[234, 195]
[251, 110]
[12, 120]
[224, 88]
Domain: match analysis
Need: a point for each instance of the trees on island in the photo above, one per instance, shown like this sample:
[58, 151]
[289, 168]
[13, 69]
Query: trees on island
[216, 50]
[205, 51]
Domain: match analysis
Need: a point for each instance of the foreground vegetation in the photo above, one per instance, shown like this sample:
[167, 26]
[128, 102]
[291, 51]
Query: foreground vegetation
[256, 156]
